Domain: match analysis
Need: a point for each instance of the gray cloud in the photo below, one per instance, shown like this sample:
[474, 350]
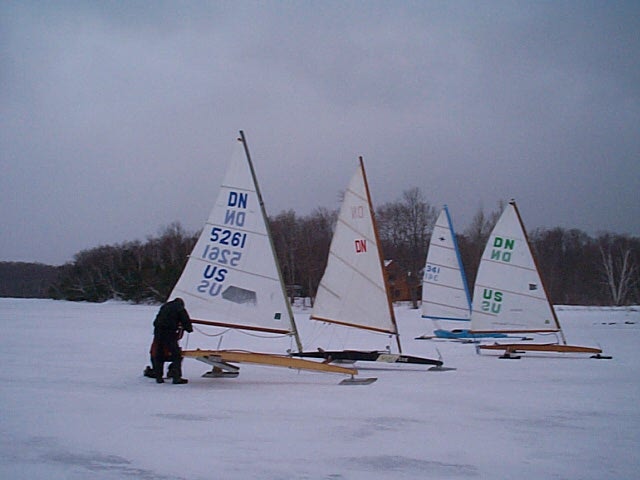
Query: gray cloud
[119, 117]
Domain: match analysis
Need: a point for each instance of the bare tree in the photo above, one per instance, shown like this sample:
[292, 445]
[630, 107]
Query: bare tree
[620, 267]
[475, 238]
[405, 229]
[316, 232]
[284, 231]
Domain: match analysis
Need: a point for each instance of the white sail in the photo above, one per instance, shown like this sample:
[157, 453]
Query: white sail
[445, 295]
[231, 278]
[353, 288]
[509, 295]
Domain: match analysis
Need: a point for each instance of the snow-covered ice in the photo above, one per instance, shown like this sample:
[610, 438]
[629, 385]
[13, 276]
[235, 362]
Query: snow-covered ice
[74, 405]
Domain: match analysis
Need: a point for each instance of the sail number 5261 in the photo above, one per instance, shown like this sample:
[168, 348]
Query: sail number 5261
[222, 255]
[224, 236]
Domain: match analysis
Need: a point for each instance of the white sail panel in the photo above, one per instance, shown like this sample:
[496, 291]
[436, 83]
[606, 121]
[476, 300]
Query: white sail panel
[509, 294]
[445, 295]
[231, 277]
[353, 288]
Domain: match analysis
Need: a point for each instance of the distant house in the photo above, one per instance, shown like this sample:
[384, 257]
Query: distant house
[398, 281]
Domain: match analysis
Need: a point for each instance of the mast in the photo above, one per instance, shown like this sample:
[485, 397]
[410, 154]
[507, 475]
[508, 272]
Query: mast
[377, 237]
[294, 328]
[535, 262]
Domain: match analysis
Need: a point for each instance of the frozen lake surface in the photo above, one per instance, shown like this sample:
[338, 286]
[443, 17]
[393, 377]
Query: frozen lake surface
[75, 405]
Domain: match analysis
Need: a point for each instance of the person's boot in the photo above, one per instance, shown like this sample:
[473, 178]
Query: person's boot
[175, 370]
[158, 369]
[177, 375]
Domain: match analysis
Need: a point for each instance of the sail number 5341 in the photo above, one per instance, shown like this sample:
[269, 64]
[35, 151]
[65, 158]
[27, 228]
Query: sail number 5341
[224, 236]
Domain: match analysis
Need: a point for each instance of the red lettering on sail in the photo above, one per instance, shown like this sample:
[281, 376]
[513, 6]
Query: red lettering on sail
[361, 246]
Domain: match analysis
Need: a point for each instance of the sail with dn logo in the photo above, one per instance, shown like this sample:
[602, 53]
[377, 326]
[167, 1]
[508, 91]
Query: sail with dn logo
[502, 298]
[352, 298]
[232, 281]
[353, 288]
[506, 297]
[502, 249]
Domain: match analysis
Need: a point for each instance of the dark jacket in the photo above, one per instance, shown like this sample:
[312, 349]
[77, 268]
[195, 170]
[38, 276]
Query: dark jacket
[171, 317]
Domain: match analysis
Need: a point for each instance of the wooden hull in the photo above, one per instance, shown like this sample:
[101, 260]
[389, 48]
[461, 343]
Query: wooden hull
[235, 356]
[537, 347]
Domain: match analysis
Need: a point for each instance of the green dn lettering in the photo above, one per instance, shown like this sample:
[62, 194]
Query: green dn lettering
[491, 301]
[502, 249]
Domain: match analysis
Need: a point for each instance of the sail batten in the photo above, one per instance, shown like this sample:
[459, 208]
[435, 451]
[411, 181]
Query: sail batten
[517, 293]
[237, 228]
[522, 267]
[239, 270]
[240, 189]
[362, 274]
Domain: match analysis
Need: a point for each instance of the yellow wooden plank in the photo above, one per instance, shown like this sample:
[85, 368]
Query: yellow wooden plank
[239, 356]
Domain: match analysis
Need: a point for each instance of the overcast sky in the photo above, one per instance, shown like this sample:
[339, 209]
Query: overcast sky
[119, 117]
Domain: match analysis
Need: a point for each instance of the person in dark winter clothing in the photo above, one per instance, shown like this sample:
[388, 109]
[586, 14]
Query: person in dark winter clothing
[170, 322]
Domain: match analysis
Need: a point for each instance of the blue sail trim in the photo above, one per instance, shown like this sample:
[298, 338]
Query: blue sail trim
[455, 244]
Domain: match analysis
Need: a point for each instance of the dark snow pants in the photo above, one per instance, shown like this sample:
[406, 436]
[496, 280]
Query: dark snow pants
[165, 348]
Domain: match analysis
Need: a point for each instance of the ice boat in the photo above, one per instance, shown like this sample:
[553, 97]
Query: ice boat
[232, 279]
[510, 297]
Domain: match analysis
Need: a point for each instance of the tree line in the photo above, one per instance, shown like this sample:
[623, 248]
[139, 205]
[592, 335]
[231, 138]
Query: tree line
[26, 280]
[133, 271]
[577, 269]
